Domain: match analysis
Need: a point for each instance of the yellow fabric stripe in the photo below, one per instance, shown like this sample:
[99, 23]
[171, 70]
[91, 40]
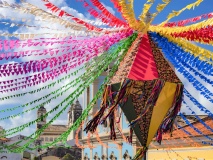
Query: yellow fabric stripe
[161, 108]
[142, 25]
[146, 8]
[202, 42]
[159, 8]
[187, 46]
[176, 13]
[169, 30]
[128, 13]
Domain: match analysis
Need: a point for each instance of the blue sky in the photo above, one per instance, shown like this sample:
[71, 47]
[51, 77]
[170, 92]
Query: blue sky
[205, 7]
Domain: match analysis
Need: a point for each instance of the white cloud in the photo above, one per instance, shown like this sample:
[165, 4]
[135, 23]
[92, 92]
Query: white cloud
[73, 12]
[110, 9]
[196, 94]
[10, 1]
[58, 3]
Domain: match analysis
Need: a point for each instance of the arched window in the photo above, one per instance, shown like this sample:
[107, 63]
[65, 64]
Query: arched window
[42, 117]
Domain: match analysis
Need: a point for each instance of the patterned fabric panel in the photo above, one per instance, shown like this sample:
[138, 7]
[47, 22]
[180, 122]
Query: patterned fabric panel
[165, 71]
[141, 93]
[126, 63]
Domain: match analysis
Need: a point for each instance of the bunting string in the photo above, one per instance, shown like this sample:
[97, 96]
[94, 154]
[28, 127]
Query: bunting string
[128, 13]
[44, 116]
[160, 7]
[113, 19]
[190, 20]
[10, 45]
[76, 29]
[106, 17]
[176, 13]
[64, 89]
[189, 61]
[198, 118]
[144, 13]
[194, 128]
[202, 53]
[79, 50]
[198, 86]
[99, 69]
[186, 138]
[52, 74]
[19, 25]
[202, 35]
[170, 30]
[99, 59]
[196, 103]
[116, 5]
[50, 6]
[39, 65]
[188, 133]
[43, 14]
[86, 111]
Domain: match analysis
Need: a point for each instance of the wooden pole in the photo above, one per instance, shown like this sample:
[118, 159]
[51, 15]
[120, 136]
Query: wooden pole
[145, 158]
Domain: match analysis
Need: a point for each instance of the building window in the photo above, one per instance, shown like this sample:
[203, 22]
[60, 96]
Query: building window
[46, 138]
[42, 139]
[51, 139]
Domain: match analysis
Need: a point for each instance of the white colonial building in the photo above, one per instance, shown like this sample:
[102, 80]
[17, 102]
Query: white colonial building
[107, 149]
[27, 154]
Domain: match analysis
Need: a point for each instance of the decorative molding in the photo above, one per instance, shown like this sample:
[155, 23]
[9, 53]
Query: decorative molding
[112, 156]
[104, 157]
[96, 156]
[105, 137]
[126, 155]
[86, 157]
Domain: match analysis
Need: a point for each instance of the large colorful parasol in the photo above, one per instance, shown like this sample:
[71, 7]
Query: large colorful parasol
[39, 67]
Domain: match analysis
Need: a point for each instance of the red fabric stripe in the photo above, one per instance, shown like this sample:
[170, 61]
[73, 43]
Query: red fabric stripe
[190, 20]
[113, 20]
[144, 67]
[202, 34]
[49, 5]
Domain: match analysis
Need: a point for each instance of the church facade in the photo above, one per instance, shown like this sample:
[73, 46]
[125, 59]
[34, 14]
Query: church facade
[52, 131]
[55, 130]
[73, 114]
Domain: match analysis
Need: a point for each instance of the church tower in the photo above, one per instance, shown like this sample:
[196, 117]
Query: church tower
[40, 113]
[73, 114]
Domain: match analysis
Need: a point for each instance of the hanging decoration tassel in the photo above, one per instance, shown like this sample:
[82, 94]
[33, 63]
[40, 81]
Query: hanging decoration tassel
[112, 126]
[124, 91]
[167, 124]
[157, 87]
[92, 124]
[140, 153]
[129, 138]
